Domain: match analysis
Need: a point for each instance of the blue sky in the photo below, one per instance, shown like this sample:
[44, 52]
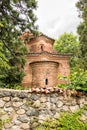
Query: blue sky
[57, 16]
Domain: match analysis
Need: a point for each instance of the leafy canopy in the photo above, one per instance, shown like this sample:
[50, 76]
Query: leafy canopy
[68, 43]
[15, 17]
[82, 31]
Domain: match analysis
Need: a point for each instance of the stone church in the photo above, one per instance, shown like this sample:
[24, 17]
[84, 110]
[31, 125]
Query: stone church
[43, 63]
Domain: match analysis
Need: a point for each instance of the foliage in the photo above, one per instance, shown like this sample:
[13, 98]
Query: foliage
[0, 124]
[68, 43]
[15, 17]
[13, 77]
[3, 61]
[77, 80]
[18, 13]
[82, 31]
[68, 121]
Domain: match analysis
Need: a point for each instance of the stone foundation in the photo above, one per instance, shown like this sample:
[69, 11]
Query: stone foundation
[24, 110]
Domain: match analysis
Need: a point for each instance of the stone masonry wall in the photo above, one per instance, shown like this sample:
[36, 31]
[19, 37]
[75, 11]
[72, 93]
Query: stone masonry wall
[25, 109]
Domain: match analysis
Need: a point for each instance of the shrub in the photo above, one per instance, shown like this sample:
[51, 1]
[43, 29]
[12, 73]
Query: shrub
[77, 80]
[68, 121]
[0, 124]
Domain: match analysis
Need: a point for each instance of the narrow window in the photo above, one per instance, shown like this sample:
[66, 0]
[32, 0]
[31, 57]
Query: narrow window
[46, 81]
[41, 47]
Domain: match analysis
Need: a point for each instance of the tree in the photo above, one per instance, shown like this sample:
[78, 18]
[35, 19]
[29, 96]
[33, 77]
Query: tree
[16, 16]
[3, 62]
[82, 31]
[68, 43]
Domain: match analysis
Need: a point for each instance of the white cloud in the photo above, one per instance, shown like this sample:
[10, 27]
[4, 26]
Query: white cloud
[56, 17]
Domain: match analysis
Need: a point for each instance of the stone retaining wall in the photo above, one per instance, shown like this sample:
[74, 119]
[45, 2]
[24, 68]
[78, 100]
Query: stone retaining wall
[24, 110]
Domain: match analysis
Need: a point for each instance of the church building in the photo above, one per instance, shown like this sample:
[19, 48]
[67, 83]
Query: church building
[43, 63]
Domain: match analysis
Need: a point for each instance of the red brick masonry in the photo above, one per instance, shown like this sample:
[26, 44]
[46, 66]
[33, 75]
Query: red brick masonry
[44, 64]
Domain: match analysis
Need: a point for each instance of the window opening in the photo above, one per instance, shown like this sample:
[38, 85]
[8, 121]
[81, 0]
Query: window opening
[41, 47]
[46, 81]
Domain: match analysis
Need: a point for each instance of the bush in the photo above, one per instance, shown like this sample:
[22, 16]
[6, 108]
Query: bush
[68, 121]
[0, 124]
[77, 80]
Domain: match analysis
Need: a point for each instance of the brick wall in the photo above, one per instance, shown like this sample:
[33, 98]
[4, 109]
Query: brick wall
[41, 59]
[60, 66]
[44, 74]
[40, 44]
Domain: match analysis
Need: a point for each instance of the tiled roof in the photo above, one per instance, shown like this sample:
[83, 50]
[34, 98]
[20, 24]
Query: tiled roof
[34, 37]
[61, 91]
[48, 90]
[41, 34]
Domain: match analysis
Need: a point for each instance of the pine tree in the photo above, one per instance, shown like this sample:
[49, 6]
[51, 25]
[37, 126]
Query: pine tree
[16, 16]
[82, 31]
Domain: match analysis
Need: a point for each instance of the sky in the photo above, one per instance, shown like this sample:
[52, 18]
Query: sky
[57, 16]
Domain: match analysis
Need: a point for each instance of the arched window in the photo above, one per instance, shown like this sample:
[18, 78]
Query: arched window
[41, 47]
[46, 81]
